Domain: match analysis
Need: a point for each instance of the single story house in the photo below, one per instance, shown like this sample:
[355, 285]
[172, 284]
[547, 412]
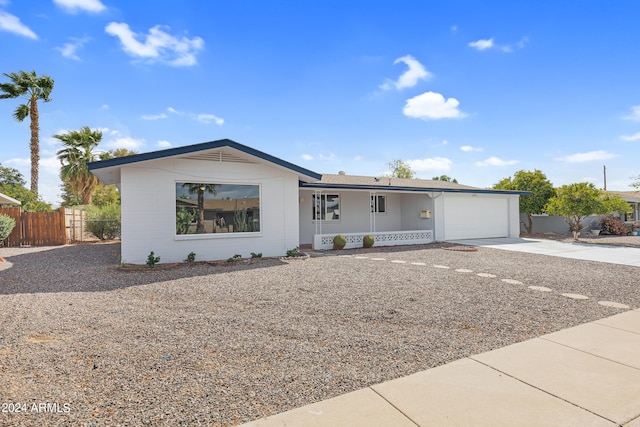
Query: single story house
[222, 198]
[8, 201]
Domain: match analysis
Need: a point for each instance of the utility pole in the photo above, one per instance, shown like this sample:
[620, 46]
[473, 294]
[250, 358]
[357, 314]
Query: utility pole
[605, 178]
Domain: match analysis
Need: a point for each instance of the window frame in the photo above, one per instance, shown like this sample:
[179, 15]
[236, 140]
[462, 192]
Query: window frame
[323, 215]
[213, 235]
[375, 203]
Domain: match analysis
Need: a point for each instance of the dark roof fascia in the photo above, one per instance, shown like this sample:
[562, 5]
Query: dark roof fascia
[413, 189]
[177, 151]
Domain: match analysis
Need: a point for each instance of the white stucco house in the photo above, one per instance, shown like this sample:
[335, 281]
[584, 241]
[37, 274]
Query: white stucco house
[222, 198]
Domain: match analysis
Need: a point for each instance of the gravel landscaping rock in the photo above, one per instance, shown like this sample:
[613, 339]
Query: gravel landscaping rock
[218, 344]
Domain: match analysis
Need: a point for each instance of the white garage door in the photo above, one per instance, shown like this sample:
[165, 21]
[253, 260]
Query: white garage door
[475, 217]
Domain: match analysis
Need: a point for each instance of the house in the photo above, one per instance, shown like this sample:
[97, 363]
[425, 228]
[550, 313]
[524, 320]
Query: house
[222, 198]
[8, 201]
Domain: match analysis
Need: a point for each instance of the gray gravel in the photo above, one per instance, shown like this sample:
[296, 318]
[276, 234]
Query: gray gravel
[224, 344]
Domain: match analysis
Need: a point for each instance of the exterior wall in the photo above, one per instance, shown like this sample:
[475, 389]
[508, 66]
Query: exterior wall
[412, 205]
[149, 205]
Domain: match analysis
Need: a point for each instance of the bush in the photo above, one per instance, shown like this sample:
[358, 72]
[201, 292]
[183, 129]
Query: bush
[292, 253]
[339, 242]
[152, 260]
[104, 222]
[6, 227]
[613, 225]
[368, 241]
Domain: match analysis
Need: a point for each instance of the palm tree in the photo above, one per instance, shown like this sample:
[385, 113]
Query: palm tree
[79, 149]
[200, 189]
[32, 88]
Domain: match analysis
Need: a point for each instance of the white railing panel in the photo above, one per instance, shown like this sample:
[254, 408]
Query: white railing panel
[382, 238]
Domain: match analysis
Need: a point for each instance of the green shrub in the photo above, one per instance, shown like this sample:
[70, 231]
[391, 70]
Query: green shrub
[152, 260]
[256, 255]
[367, 241]
[191, 257]
[235, 258]
[339, 242]
[6, 227]
[104, 222]
[292, 253]
[613, 225]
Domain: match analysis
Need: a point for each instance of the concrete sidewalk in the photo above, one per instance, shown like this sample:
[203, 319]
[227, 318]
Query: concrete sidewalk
[588, 375]
[585, 251]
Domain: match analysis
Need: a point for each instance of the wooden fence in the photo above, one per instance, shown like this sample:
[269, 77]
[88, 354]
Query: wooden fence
[45, 228]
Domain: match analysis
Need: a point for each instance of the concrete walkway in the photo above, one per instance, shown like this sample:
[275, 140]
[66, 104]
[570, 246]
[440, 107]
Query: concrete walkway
[590, 252]
[588, 375]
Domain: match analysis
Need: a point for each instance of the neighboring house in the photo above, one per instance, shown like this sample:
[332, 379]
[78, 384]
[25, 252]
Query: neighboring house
[222, 198]
[633, 198]
[7, 201]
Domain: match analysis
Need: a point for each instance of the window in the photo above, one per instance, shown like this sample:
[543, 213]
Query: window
[203, 208]
[379, 203]
[326, 207]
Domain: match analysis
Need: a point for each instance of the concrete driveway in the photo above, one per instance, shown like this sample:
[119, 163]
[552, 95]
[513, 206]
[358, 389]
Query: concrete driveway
[590, 252]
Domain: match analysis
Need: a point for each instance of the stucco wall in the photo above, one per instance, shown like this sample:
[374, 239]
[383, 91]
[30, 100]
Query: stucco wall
[149, 204]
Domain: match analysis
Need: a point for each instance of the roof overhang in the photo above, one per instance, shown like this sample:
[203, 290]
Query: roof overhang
[405, 189]
[8, 200]
[223, 150]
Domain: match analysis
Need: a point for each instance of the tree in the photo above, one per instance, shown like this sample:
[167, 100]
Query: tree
[541, 191]
[577, 201]
[11, 176]
[400, 169]
[12, 184]
[79, 150]
[32, 88]
[200, 189]
[445, 178]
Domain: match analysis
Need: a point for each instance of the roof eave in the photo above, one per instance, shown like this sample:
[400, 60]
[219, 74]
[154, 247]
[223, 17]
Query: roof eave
[409, 189]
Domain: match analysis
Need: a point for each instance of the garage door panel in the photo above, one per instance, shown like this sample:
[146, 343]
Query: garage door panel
[475, 217]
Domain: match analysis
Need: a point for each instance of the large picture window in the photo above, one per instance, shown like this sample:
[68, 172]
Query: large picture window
[203, 208]
[326, 207]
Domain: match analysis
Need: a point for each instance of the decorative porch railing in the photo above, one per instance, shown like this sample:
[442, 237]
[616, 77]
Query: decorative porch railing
[382, 238]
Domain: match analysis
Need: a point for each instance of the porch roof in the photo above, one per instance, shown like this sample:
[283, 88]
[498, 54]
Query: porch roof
[387, 184]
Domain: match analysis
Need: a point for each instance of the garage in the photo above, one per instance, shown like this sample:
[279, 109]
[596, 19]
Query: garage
[475, 216]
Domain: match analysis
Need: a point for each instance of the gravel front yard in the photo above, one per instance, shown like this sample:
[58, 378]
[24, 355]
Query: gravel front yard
[221, 345]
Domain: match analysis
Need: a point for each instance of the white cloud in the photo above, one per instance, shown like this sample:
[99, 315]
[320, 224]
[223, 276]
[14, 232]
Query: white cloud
[74, 6]
[357, 158]
[496, 161]
[482, 44]
[587, 157]
[307, 157]
[635, 113]
[634, 137]
[12, 24]
[208, 118]
[435, 163]
[174, 111]
[431, 105]
[68, 50]
[158, 45]
[163, 143]
[125, 142]
[453, 28]
[410, 78]
[467, 148]
[154, 116]
[105, 106]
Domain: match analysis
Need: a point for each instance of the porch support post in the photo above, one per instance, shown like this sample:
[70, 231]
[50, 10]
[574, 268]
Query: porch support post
[317, 206]
[372, 213]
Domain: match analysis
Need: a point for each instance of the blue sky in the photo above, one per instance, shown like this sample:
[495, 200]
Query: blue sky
[474, 90]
